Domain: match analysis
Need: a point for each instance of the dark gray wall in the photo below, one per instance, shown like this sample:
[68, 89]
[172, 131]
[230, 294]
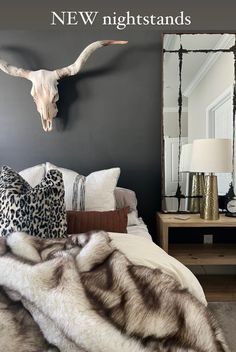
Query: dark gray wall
[109, 115]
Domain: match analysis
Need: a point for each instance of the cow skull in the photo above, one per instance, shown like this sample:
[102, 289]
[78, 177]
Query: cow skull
[44, 83]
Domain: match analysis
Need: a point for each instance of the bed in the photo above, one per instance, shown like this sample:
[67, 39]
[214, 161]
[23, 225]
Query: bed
[140, 230]
[99, 291]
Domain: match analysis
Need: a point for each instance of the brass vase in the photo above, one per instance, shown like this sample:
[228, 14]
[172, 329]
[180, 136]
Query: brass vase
[197, 189]
[210, 210]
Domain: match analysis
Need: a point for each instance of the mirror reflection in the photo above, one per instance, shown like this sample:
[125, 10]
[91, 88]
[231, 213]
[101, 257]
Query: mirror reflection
[198, 91]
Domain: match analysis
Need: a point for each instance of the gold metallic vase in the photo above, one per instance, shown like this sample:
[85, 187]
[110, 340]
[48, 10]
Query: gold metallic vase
[210, 209]
[197, 189]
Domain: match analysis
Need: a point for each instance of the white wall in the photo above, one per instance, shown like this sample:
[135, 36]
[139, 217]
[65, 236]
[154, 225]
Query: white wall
[171, 124]
[217, 80]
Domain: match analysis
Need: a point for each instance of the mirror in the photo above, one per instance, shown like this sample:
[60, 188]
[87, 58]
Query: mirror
[198, 102]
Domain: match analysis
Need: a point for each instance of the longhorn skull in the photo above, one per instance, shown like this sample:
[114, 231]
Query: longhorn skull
[44, 83]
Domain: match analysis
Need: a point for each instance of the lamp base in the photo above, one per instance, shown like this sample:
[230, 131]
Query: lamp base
[210, 210]
[197, 189]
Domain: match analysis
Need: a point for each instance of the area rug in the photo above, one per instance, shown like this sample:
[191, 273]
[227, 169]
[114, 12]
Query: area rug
[225, 313]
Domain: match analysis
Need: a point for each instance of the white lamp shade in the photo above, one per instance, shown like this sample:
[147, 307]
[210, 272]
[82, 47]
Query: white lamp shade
[185, 158]
[211, 155]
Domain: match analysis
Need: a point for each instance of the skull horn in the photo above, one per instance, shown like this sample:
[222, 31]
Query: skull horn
[44, 82]
[73, 69]
[12, 70]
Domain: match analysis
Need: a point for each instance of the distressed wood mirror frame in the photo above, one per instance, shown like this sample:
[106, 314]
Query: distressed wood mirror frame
[176, 45]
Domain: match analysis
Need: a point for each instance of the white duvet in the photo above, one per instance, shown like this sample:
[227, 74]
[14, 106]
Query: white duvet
[142, 251]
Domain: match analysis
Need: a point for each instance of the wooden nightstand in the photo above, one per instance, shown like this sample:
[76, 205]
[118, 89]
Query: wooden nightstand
[216, 287]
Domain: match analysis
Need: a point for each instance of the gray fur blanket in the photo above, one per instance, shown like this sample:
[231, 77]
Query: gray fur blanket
[82, 294]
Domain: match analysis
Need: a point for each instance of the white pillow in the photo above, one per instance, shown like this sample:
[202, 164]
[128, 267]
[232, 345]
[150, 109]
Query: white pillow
[94, 192]
[34, 175]
[133, 218]
[125, 198]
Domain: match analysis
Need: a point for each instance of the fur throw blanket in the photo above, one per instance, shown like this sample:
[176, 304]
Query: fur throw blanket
[85, 296]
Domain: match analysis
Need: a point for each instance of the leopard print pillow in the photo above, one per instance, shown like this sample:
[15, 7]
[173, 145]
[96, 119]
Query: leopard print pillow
[39, 211]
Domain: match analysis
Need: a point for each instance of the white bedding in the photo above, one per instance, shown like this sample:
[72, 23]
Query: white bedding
[141, 251]
[139, 230]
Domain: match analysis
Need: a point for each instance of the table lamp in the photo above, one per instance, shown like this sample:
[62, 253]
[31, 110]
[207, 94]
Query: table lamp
[211, 156]
[197, 179]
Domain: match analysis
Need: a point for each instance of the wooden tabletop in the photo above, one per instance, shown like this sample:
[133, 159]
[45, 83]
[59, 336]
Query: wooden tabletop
[194, 220]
